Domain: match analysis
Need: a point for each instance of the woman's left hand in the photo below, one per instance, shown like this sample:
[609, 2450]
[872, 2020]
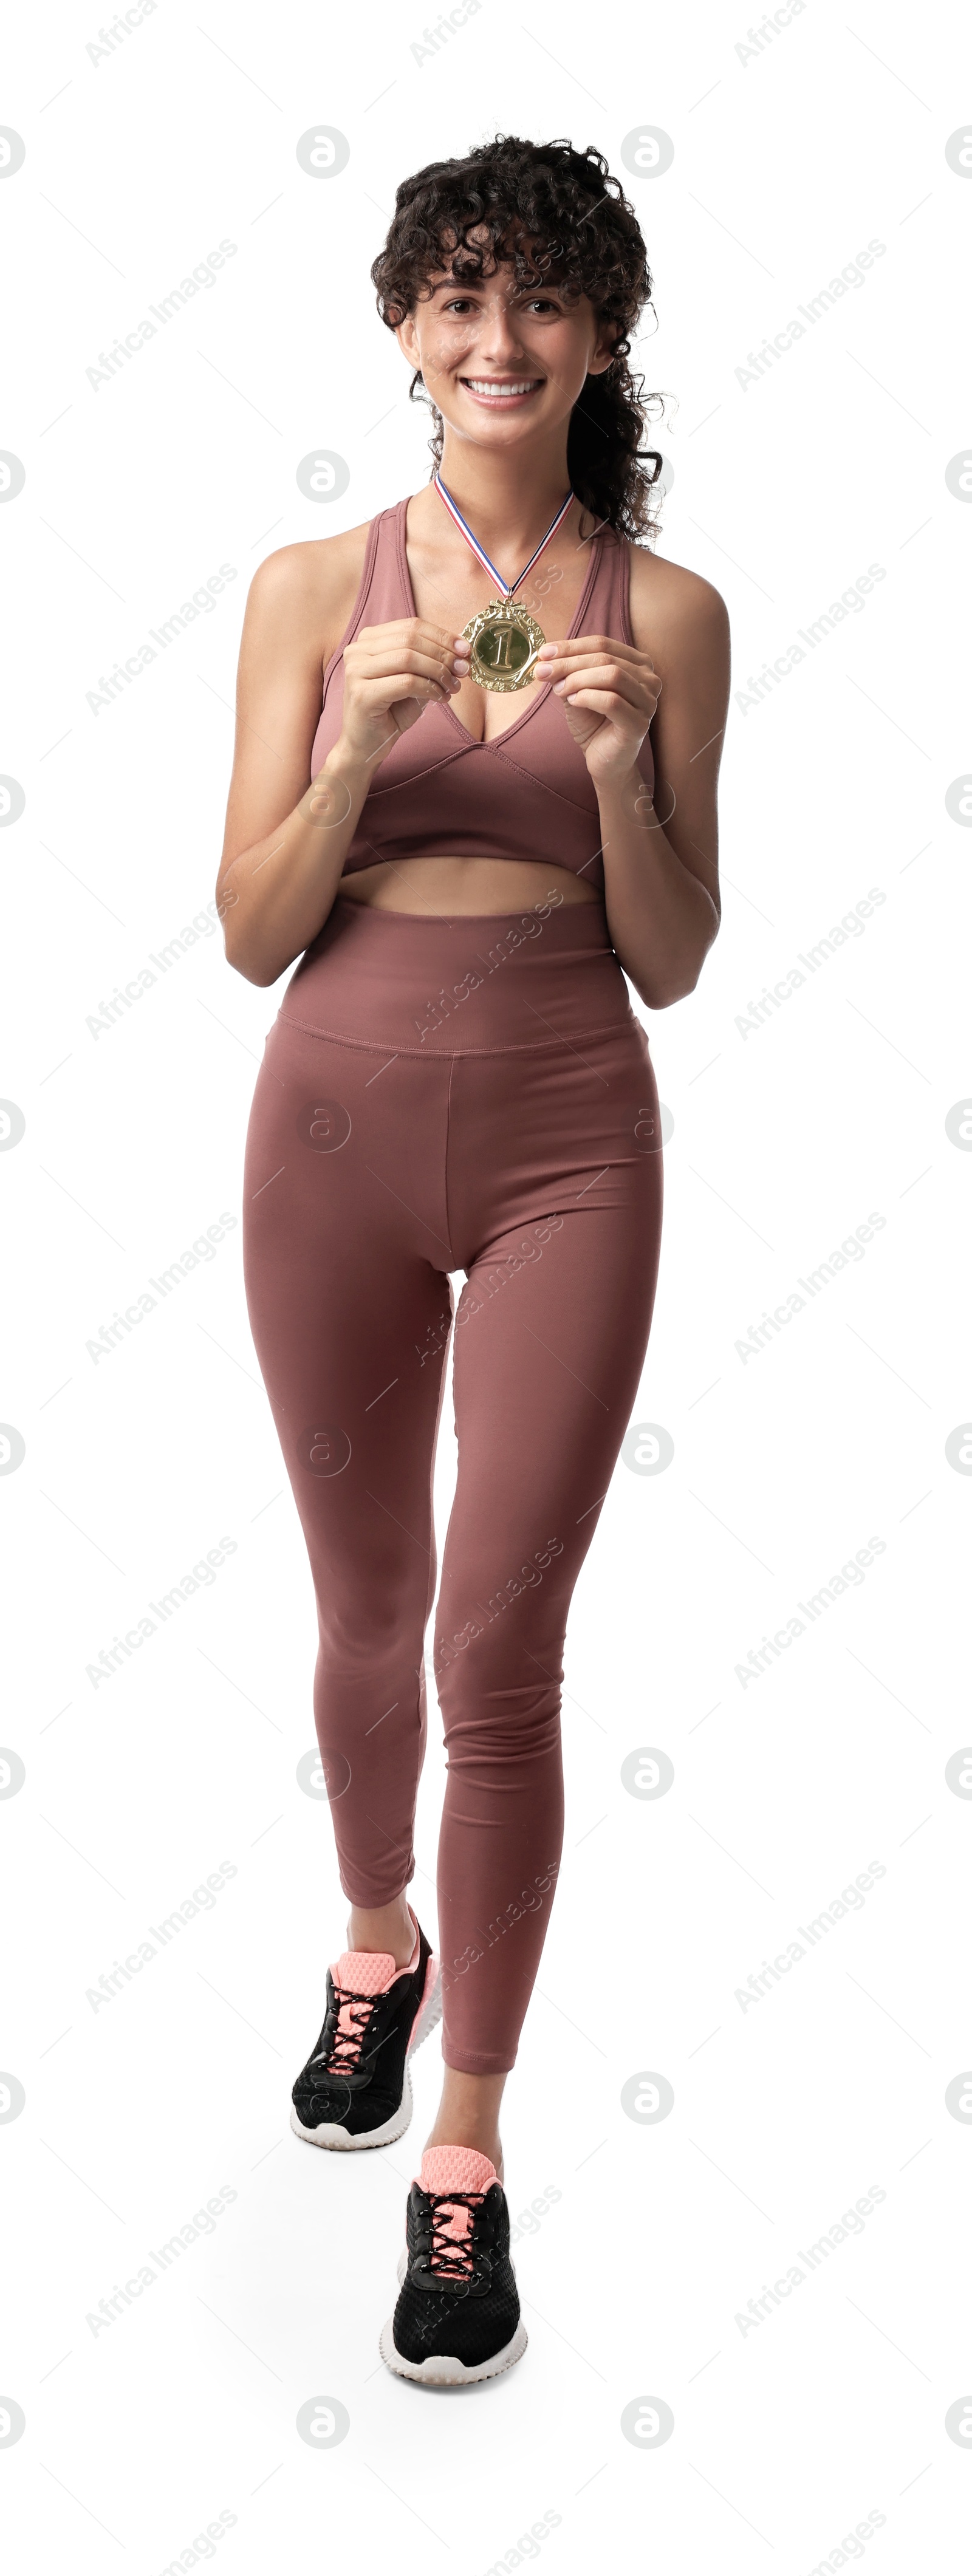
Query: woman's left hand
[609, 693]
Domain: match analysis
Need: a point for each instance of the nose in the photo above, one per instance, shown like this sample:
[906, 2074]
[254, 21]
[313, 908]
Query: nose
[499, 340]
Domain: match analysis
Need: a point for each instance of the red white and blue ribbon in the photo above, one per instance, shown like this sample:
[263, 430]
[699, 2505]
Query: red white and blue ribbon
[505, 588]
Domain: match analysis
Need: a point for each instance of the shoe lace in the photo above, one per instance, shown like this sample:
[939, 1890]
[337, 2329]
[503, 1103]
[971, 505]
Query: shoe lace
[343, 2051]
[451, 2249]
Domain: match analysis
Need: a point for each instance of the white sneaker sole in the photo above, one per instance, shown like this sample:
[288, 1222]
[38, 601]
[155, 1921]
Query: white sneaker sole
[330, 2134]
[442, 2369]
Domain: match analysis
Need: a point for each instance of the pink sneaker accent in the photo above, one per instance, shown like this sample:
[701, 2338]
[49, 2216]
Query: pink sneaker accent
[456, 2169]
[463, 2171]
[366, 1973]
[371, 1972]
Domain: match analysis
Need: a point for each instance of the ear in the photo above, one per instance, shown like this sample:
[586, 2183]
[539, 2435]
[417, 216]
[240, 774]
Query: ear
[407, 338]
[603, 351]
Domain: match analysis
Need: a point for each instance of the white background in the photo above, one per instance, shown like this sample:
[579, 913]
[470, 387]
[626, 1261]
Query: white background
[788, 160]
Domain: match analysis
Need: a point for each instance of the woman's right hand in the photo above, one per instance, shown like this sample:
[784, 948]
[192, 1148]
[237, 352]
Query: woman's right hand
[390, 674]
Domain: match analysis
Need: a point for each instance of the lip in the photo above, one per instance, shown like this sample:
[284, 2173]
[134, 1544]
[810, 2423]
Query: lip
[503, 402]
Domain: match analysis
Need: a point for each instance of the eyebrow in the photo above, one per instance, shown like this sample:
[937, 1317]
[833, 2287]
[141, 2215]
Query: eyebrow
[467, 285]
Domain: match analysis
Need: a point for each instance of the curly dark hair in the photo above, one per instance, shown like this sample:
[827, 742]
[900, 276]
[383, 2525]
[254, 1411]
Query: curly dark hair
[558, 216]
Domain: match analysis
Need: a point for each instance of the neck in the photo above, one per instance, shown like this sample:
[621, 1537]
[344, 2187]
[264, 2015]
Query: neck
[509, 498]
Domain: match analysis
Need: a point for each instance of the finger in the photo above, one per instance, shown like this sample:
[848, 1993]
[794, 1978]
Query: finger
[385, 691]
[385, 663]
[603, 702]
[417, 630]
[447, 669]
[566, 665]
[591, 646]
[400, 652]
[606, 675]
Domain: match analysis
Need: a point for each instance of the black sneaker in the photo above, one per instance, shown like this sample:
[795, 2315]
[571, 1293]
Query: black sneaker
[458, 2313]
[355, 2090]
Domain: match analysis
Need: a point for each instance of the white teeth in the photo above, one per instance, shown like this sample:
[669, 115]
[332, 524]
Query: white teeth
[497, 392]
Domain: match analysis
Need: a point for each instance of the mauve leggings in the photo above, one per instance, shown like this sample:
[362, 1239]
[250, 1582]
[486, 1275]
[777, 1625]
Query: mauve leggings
[508, 1128]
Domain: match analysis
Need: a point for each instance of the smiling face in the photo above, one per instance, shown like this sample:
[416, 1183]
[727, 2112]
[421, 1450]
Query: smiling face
[500, 360]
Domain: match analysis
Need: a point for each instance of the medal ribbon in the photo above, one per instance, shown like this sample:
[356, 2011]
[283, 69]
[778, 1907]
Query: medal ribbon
[505, 588]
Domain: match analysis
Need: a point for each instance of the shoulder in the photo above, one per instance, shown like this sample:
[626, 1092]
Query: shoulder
[301, 598]
[302, 578]
[672, 608]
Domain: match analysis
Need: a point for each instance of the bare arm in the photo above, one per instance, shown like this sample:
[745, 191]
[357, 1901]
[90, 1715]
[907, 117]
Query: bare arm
[286, 841]
[660, 849]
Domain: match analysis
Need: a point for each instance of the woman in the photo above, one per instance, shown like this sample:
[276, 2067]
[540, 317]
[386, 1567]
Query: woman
[456, 1081]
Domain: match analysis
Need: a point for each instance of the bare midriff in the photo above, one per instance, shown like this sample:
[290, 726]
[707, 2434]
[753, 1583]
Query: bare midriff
[451, 886]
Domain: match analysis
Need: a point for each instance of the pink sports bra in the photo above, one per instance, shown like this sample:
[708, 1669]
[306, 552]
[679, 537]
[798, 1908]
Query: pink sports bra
[439, 792]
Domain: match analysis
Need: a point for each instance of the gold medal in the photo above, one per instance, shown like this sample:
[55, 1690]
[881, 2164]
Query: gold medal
[504, 641]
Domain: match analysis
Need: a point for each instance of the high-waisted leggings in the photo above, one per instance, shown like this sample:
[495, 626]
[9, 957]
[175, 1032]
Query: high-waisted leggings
[437, 1096]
